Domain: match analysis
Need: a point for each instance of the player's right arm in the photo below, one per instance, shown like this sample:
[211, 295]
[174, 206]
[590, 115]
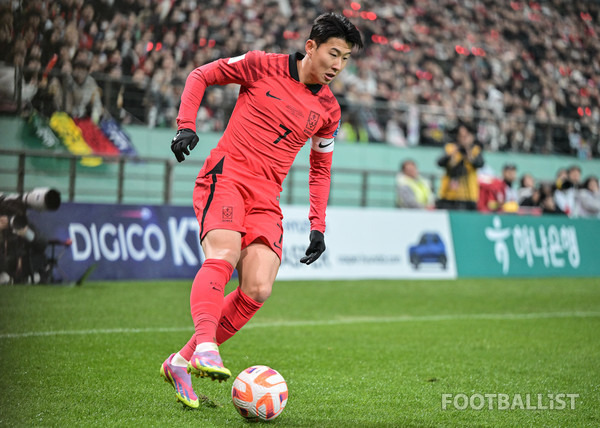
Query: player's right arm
[219, 72]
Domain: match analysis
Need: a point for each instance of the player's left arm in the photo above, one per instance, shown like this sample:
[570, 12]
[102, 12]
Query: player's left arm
[319, 180]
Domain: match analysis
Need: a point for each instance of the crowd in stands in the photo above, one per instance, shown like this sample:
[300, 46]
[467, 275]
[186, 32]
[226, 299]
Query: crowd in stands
[467, 184]
[527, 72]
[568, 194]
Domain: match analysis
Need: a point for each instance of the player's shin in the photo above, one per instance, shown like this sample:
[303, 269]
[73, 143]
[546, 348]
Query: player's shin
[238, 309]
[206, 298]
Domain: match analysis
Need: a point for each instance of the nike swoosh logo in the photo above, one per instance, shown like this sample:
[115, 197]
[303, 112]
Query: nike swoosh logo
[321, 146]
[272, 96]
[274, 243]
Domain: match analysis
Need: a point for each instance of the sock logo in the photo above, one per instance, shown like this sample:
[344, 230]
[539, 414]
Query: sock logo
[227, 214]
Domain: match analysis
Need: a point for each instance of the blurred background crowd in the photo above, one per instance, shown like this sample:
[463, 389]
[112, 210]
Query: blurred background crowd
[467, 183]
[526, 74]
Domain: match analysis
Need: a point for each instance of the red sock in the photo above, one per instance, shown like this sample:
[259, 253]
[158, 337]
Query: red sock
[206, 301]
[188, 350]
[237, 310]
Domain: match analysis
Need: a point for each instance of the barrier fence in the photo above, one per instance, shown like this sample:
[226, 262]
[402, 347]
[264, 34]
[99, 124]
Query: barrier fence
[154, 180]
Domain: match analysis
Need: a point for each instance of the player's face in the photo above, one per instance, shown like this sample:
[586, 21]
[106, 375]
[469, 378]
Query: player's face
[328, 59]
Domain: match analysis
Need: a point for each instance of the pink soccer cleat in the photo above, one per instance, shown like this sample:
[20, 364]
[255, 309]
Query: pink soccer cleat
[208, 364]
[181, 381]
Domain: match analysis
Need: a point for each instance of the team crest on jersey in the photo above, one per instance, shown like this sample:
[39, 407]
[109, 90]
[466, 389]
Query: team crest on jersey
[227, 214]
[311, 123]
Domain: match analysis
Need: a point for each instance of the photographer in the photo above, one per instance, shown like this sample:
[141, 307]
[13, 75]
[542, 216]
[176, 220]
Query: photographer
[22, 248]
[459, 188]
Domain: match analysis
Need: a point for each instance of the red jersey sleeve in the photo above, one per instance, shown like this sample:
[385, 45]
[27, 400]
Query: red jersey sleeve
[319, 183]
[319, 179]
[220, 72]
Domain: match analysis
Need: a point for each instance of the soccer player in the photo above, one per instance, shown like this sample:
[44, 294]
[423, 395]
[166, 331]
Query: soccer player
[284, 101]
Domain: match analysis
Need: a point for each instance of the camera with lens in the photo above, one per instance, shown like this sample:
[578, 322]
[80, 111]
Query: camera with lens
[22, 255]
[15, 205]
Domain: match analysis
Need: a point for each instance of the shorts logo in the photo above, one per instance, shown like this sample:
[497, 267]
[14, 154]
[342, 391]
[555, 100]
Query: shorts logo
[278, 244]
[227, 214]
[311, 123]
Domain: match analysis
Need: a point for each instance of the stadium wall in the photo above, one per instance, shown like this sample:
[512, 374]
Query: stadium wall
[135, 242]
[154, 142]
[378, 156]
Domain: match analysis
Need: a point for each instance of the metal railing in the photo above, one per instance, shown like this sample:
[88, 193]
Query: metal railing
[152, 180]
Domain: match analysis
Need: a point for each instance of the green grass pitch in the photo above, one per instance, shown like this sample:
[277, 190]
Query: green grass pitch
[354, 353]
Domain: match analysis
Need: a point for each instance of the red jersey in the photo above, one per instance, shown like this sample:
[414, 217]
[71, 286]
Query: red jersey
[274, 116]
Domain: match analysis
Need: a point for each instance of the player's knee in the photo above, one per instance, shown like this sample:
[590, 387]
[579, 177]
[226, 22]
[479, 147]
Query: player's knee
[230, 255]
[259, 291]
[222, 244]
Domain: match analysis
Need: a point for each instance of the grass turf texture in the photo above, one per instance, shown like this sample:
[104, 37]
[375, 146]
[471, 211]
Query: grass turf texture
[354, 353]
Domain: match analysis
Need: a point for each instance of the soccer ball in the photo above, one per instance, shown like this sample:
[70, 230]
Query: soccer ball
[259, 392]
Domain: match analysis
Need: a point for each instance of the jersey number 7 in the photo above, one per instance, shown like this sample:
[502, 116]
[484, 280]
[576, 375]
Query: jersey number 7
[287, 132]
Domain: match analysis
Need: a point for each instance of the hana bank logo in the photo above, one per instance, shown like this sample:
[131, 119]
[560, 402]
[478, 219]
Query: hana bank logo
[498, 235]
[553, 245]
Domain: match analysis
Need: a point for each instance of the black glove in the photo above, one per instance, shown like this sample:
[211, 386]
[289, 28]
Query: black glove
[183, 139]
[315, 248]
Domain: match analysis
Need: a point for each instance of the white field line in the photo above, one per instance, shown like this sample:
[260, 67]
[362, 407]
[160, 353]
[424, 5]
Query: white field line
[316, 323]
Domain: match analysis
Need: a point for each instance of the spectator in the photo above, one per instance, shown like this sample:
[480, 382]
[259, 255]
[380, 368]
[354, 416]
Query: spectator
[491, 193]
[135, 98]
[81, 94]
[548, 204]
[112, 91]
[534, 200]
[574, 175]
[526, 188]
[497, 193]
[509, 175]
[543, 198]
[511, 197]
[567, 187]
[588, 198]
[412, 190]
[561, 176]
[10, 85]
[459, 188]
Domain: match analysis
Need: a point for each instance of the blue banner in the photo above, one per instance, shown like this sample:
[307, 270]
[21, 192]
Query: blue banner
[122, 241]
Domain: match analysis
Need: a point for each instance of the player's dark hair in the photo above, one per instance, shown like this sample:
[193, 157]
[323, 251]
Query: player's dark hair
[330, 25]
